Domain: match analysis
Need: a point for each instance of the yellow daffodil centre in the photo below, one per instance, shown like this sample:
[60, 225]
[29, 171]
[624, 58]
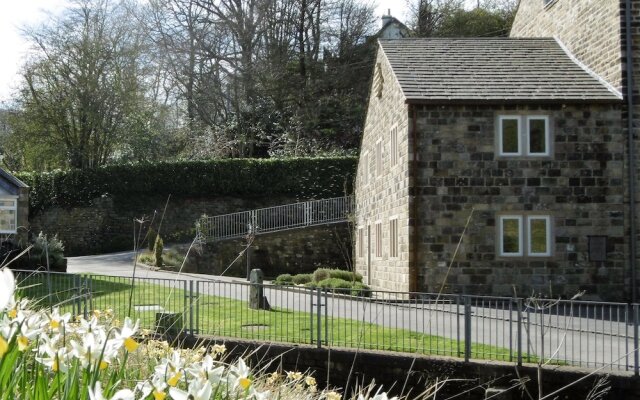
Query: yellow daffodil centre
[159, 395]
[103, 365]
[173, 381]
[54, 324]
[13, 314]
[4, 346]
[245, 383]
[130, 344]
[23, 343]
[55, 367]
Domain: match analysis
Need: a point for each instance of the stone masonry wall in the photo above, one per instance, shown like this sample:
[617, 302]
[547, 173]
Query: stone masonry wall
[296, 251]
[109, 223]
[580, 186]
[385, 195]
[589, 28]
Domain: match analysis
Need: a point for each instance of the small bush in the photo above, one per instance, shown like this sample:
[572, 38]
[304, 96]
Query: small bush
[321, 274]
[151, 239]
[284, 279]
[157, 251]
[360, 289]
[302, 279]
[335, 283]
[345, 275]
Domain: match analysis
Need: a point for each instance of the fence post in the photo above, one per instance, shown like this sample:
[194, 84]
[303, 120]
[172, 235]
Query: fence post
[191, 328]
[519, 338]
[319, 315]
[311, 315]
[77, 282]
[460, 301]
[467, 328]
[636, 316]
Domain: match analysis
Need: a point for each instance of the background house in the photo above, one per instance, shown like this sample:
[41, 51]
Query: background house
[14, 208]
[519, 130]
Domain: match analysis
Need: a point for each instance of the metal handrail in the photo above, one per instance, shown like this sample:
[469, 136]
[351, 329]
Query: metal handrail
[274, 219]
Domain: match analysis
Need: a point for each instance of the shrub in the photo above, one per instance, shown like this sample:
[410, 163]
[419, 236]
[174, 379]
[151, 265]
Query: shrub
[157, 251]
[321, 274]
[345, 275]
[360, 289]
[335, 283]
[54, 247]
[151, 239]
[302, 279]
[284, 279]
[303, 177]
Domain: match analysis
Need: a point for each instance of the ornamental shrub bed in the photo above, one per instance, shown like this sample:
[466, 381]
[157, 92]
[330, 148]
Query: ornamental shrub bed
[337, 280]
[302, 177]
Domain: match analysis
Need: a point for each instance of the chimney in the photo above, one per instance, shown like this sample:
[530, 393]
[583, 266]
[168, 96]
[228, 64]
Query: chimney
[386, 18]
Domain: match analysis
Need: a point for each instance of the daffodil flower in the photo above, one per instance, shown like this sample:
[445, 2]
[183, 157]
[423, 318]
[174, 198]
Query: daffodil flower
[241, 373]
[198, 390]
[7, 287]
[126, 333]
[96, 393]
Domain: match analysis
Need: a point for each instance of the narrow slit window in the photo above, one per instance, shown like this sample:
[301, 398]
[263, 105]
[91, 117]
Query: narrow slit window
[361, 242]
[378, 239]
[393, 237]
[379, 158]
[394, 146]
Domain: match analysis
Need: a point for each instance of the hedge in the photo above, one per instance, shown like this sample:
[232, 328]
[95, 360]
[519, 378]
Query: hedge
[302, 177]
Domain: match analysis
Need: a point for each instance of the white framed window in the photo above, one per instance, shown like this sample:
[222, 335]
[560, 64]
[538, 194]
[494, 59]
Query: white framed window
[520, 235]
[8, 214]
[379, 158]
[539, 235]
[510, 235]
[393, 151]
[378, 239]
[523, 135]
[360, 242]
[393, 237]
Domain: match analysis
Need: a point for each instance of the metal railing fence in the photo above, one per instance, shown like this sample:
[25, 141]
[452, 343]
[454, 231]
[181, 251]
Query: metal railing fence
[273, 219]
[562, 332]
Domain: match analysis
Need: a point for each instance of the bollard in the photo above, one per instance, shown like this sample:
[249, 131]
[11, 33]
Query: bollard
[257, 299]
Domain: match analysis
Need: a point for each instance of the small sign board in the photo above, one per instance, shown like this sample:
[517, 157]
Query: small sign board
[597, 248]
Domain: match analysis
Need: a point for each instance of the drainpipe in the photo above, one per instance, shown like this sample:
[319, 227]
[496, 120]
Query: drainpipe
[413, 212]
[631, 145]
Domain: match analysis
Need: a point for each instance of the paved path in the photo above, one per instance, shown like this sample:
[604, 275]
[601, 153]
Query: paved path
[582, 340]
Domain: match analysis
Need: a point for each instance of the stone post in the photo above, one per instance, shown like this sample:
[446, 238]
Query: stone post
[257, 300]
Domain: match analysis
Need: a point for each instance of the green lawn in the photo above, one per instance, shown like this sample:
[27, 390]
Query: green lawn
[221, 316]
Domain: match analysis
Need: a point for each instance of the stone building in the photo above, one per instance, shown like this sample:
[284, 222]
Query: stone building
[14, 208]
[516, 145]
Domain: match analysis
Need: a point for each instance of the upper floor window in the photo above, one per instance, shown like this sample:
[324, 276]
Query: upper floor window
[378, 239]
[360, 242]
[365, 167]
[8, 215]
[524, 235]
[526, 135]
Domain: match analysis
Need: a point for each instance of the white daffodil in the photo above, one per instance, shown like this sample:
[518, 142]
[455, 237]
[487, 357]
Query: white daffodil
[54, 359]
[241, 372]
[206, 370]
[7, 287]
[30, 328]
[377, 396]
[198, 390]
[57, 322]
[96, 393]
[171, 370]
[94, 348]
[125, 335]
[261, 395]
[88, 326]
[156, 387]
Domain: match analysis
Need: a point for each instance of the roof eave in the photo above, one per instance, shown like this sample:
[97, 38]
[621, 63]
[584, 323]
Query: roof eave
[486, 102]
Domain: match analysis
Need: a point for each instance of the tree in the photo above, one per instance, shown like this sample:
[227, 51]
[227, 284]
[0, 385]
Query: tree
[83, 83]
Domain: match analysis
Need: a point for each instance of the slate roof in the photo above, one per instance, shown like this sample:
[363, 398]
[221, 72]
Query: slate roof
[10, 183]
[491, 70]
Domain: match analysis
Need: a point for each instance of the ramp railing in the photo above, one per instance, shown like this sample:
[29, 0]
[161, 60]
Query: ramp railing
[274, 219]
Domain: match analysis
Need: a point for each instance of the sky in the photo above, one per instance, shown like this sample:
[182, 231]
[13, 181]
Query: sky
[16, 14]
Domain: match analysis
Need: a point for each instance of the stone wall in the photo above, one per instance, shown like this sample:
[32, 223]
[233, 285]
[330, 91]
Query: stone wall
[296, 251]
[108, 225]
[383, 193]
[346, 368]
[580, 186]
[589, 28]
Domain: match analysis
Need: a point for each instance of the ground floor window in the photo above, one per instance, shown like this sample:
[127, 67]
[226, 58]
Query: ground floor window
[524, 235]
[8, 215]
[361, 242]
[378, 239]
[393, 237]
